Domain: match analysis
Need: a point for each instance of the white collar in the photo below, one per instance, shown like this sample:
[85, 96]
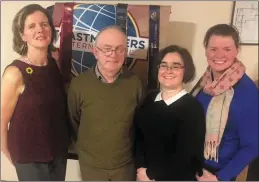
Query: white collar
[172, 99]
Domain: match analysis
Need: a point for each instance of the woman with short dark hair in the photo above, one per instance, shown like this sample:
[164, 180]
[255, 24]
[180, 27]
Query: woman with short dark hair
[170, 124]
[230, 101]
[33, 101]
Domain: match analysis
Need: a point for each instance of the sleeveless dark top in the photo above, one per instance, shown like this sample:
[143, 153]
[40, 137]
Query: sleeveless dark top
[38, 129]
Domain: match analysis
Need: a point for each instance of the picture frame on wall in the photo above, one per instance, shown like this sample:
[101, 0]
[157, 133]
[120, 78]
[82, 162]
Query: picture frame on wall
[245, 19]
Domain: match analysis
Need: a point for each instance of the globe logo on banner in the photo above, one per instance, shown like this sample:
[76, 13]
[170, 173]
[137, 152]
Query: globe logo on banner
[88, 20]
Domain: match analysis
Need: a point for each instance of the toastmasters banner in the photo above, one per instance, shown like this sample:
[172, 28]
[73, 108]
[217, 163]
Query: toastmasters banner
[78, 24]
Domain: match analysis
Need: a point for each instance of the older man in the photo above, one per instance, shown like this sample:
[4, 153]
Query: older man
[102, 102]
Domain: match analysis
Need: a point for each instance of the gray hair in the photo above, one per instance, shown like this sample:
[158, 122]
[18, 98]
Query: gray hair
[114, 27]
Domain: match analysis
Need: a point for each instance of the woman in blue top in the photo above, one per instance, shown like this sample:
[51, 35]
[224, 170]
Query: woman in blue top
[230, 101]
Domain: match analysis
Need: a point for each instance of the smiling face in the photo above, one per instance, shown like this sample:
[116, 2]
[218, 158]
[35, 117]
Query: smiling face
[221, 53]
[171, 71]
[37, 31]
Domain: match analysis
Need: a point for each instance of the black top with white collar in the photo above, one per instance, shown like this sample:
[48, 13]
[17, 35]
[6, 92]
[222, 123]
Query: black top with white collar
[170, 138]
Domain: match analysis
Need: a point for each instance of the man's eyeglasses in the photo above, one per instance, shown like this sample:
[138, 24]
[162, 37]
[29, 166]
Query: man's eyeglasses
[175, 67]
[108, 51]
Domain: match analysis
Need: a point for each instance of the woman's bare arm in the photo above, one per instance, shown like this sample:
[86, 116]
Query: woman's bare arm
[11, 87]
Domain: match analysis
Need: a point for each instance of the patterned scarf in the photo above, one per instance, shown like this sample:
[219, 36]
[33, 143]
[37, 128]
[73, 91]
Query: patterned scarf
[217, 113]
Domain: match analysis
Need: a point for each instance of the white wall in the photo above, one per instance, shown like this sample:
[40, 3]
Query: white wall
[200, 13]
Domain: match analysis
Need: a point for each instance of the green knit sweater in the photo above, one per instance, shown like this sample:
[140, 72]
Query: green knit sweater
[104, 113]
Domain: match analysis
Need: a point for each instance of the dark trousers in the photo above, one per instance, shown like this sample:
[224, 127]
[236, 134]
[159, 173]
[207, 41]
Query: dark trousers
[36, 171]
